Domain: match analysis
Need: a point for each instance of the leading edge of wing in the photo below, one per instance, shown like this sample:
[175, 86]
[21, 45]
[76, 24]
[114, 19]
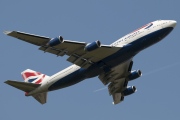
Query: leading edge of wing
[11, 32]
[27, 37]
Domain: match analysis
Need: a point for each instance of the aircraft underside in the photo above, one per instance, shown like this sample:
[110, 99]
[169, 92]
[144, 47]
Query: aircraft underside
[111, 63]
[105, 65]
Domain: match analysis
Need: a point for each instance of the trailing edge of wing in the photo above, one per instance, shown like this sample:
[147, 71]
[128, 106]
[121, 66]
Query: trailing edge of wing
[26, 87]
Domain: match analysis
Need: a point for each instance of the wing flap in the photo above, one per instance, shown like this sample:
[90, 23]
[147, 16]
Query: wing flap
[117, 98]
[117, 72]
[88, 58]
[67, 47]
[116, 86]
[100, 53]
[77, 54]
[26, 87]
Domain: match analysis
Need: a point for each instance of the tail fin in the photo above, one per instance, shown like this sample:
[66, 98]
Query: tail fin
[32, 76]
[32, 80]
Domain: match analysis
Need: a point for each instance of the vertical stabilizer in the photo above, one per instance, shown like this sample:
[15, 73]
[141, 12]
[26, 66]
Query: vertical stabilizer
[32, 76]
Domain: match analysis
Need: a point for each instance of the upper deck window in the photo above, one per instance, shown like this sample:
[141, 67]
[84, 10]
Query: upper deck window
[144, 27]
[149, 25]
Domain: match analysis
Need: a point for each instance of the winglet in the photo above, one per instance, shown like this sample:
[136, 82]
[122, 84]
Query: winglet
[7, 32]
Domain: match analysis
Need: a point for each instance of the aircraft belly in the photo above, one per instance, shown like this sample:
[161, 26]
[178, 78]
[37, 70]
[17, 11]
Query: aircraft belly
[71, 79]
[126, 53]
[150, 39]
[133, 48]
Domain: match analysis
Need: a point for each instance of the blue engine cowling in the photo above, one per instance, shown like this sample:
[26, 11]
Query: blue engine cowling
[92, 46]
[55, 41]
[135, 74]
[129, 90]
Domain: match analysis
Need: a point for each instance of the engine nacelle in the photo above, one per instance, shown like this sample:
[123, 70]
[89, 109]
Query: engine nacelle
[92, 46]
[129, 90]
[135, 74]
[55, 41]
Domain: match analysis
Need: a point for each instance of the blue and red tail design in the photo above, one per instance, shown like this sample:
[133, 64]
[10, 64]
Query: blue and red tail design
[32, 76]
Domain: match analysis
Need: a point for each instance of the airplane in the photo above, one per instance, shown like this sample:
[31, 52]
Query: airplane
[111, 63]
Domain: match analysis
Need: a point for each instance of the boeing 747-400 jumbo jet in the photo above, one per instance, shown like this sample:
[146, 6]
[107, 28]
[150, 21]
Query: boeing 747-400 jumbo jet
[111, 63]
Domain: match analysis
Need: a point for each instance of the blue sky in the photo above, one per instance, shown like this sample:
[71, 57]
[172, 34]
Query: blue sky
[158, 95]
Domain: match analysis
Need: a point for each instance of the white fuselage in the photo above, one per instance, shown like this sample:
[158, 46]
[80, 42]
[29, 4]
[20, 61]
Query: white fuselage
[140, 32]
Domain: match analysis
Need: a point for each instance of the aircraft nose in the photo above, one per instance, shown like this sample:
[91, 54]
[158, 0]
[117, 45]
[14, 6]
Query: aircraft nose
[173, 23]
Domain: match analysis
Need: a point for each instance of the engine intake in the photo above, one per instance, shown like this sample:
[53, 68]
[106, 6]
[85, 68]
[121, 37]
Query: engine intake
[55, 41]
[135, 74]
[92, 46]
[129, 90]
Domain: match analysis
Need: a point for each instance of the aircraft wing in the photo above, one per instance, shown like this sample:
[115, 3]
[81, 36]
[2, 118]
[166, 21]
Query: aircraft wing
[74, 49]
[117, 80]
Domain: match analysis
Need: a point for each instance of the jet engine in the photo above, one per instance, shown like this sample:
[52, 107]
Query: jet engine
[135, 74]
[92, 46]
[55, 41]
[129, 90]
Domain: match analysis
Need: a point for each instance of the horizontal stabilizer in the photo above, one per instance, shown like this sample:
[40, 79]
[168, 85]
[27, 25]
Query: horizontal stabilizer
[26, 87]
[41, 97]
